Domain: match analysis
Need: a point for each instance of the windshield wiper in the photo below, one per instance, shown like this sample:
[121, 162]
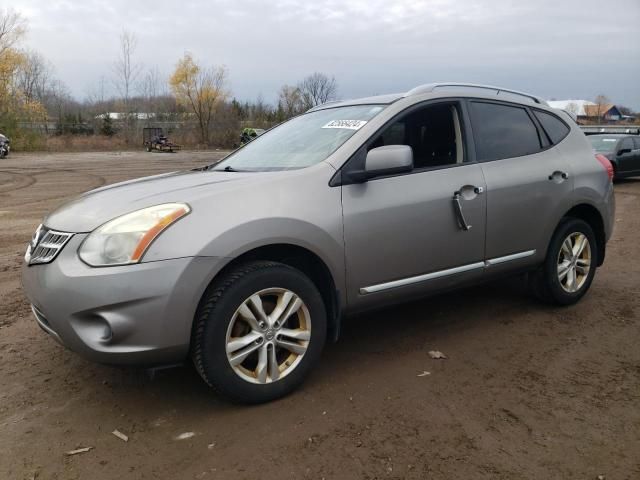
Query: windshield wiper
[228, 168]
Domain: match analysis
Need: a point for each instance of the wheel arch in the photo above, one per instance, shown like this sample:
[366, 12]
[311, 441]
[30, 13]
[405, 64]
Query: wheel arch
[593, 217]
[308, 263]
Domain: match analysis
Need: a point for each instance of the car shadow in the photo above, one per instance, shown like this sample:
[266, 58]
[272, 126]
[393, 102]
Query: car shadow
[380, 332]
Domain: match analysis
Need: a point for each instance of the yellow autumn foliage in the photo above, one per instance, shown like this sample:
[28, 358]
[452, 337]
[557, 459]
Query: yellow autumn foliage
[13, 102]
[200, 90]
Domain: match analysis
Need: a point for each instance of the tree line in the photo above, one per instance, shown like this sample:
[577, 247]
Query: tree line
[195, 99]
[195, 96]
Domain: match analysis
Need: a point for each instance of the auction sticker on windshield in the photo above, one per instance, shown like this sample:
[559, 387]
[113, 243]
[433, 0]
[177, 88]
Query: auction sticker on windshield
[348, 124]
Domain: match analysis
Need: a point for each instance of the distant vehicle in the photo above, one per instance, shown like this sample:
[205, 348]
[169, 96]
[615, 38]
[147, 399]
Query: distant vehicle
[247, 266]
[623, 151]
[155, 139]
[5, 146]
[249, 134]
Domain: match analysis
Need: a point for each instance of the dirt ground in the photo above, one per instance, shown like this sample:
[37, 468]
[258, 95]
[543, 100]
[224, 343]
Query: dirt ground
[527, 391]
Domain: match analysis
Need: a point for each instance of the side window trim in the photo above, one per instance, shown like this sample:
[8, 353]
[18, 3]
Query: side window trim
[458, 134]
[543, 136]
[467, 140]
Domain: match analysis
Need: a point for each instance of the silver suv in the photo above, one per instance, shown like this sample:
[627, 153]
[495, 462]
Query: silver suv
[249, 265]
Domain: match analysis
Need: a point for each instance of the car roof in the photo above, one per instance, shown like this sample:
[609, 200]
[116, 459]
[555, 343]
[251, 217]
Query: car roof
[374, 100]
[463, 89]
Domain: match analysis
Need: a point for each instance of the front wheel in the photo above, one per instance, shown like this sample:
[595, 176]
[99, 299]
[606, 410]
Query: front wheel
[258, 332]
[570, 264]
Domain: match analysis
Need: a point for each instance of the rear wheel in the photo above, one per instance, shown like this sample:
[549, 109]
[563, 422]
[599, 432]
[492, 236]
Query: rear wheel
[258, 332]
[570, 264]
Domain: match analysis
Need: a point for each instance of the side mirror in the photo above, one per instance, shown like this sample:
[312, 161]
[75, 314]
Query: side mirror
[387, 160]
[623, 151]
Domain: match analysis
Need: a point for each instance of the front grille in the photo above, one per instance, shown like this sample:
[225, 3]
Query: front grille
[46, 245]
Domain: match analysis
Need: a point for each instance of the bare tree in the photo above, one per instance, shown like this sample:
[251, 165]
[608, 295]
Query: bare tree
[290, 102]
[125, 69]
[95, 101]
[151, 88]
[12, 28]
[126, 74]
[572, 108]
[102, 86]
[600, 107]
[317, 89]
[33, 76]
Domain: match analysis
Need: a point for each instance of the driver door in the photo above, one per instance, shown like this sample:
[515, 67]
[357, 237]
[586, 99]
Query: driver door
[403, 236]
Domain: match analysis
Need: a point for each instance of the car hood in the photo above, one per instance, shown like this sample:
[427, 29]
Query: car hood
[94, 208]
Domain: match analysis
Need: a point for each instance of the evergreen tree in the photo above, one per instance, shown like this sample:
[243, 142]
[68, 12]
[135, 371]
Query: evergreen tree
[107, 125]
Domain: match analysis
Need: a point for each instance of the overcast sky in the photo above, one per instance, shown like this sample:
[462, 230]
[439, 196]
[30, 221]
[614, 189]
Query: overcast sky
[555, 48]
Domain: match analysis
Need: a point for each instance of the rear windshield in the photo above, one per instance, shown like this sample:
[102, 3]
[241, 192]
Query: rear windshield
[603, 144]
[302, 141]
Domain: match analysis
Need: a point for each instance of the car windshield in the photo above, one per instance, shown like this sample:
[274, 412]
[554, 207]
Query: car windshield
[603, 144]
[302, 141]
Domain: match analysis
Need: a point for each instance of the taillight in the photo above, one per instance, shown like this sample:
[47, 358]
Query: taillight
[604, 161]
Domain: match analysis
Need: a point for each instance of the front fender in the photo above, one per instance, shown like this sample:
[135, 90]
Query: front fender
[278, 231]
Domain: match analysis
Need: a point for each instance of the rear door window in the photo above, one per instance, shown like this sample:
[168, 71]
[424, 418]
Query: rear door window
[503, 131]
[555, 128]
[626, 144]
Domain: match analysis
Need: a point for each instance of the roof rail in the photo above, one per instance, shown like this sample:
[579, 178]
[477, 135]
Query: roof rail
[430, 87]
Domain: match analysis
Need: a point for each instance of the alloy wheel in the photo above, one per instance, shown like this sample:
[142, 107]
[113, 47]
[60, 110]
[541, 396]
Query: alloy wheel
[268, 335]
[574, 262]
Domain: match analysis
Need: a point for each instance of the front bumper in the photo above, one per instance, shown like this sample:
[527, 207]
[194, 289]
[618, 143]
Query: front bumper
[135, 314]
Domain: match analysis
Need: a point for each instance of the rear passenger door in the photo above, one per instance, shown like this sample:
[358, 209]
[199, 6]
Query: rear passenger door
[529, 183]
[626, 156]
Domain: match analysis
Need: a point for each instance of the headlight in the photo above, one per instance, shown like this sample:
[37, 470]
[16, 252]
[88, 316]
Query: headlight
[124, 240]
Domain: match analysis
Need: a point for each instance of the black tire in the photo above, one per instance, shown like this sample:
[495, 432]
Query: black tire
[215, 312]
[545, 282]
[148, 148]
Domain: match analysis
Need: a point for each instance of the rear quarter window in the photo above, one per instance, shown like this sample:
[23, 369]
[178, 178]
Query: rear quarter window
[626, 143]
[503, 131]
[555, 128]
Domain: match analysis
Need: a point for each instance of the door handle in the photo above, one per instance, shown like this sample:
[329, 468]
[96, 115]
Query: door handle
[559, 175]
[457, 206]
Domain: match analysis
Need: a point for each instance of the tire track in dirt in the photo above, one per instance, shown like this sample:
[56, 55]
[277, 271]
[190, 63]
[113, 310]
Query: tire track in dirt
[95, 181]
[27, 181]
